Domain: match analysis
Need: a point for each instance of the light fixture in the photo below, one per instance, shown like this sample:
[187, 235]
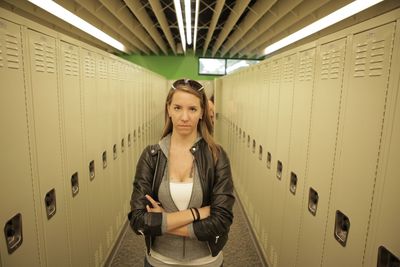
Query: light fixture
[188, 17]
[338, 15]
[62, 13]
[178, 11]
[196, 19]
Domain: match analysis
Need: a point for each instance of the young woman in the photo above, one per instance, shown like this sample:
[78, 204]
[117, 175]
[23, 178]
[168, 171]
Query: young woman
[183, 192]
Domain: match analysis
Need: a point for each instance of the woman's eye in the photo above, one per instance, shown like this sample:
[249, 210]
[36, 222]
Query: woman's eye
[177, 108]
[193, 109]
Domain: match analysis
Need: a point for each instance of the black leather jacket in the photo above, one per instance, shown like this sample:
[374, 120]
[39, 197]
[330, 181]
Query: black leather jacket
[217, 187]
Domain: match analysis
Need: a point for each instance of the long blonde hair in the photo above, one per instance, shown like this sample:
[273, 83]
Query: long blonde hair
[204, 126]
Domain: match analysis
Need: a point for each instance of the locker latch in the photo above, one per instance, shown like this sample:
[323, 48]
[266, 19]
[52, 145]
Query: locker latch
[293, 183]
[13, 233]
[312, 201]
[74, 184]
[342, 227]
[50, 203]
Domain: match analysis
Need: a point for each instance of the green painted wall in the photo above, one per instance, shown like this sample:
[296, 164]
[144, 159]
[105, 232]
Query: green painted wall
[171, 67]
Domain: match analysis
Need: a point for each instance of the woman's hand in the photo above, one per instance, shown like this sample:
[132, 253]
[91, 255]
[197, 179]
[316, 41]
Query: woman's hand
[156, 205]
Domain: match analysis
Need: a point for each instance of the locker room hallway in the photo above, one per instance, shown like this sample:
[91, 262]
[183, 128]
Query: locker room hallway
[240, 251]
[307, 108]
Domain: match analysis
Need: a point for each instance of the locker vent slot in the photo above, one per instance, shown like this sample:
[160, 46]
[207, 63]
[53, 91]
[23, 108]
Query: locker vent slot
[279, 169]
[102, 69]
[269, 160]
[387, 258]
[89, 66]
[44, 55]
[288, 70]
[104, 158]
[260, 152]
[70, 62]
[305, 67]
[13, 233]
[50, 203]
[74, 184]
[293, 183]
[92, 173]
[12, 51]
[275, 72]
[369, 56]
[113, 70]
[332, 63]
[342, 227]
[312, 201]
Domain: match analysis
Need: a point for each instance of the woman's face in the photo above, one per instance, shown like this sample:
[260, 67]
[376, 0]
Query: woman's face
[185, 112]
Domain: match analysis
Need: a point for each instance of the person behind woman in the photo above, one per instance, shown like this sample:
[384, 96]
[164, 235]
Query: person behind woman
[183, 191]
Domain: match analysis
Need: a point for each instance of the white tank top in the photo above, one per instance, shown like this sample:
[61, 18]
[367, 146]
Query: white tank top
[181, 193]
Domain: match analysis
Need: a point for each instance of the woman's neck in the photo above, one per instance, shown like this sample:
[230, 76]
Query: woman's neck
[183, 141]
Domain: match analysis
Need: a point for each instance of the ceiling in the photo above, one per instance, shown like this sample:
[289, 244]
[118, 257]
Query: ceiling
[226, 28]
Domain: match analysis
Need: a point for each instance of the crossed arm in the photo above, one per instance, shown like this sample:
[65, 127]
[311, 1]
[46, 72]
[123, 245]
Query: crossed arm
[177, 222]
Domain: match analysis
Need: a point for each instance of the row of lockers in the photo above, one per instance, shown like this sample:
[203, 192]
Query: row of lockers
[74, 120]
[313, 137]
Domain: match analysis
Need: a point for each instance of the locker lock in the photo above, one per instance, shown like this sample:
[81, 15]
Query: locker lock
[13, 233]
[91, 170]
[342, 227]
[104, 157]
[74, 184]
[312, 201]
[279, 169]
[269, 160]
[50, 203]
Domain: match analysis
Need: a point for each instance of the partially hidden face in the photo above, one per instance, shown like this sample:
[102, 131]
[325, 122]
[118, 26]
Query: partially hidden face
[185, 112]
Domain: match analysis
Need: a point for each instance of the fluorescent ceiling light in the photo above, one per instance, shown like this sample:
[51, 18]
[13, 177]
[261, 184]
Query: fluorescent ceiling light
[188, 17]
[338, 15]
[196, 18]
[178, 11]
[62, 13]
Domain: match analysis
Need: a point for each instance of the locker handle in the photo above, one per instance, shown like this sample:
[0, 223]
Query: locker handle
[293, 183]
[260, 152]
[269, 160]
[104, 157]
[279, 168]
[386, 258]
[254, 146]
[91, 170]
[313, 201]
[129, 140]
[74, 184]
[13, 233]
[123, 145]
[50, 203]
[115, 155]
[248, 141]
[342, 227]
[134, 136]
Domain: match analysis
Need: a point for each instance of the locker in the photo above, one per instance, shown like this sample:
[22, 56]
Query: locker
[322, 144]
[359, 146]
[15, 162]
[47, 141]
[288, 64]
[294, 187]
[76, 176]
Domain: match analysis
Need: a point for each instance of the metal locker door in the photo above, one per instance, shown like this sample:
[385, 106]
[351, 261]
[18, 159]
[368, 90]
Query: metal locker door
[19, 241]
[45, 99]
[383, 244]
[294, 185]
[279, 182]
[77, 176]
[322, 144]
[273, 107]
[94, 156]
[359, 146]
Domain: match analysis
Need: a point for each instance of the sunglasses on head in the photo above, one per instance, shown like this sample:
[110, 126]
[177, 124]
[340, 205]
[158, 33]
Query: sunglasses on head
[194, 84]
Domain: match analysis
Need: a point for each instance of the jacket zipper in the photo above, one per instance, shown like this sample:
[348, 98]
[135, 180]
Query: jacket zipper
[216, 239]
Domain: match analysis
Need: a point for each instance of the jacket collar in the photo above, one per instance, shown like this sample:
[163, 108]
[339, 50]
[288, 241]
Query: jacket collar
[165, 143]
